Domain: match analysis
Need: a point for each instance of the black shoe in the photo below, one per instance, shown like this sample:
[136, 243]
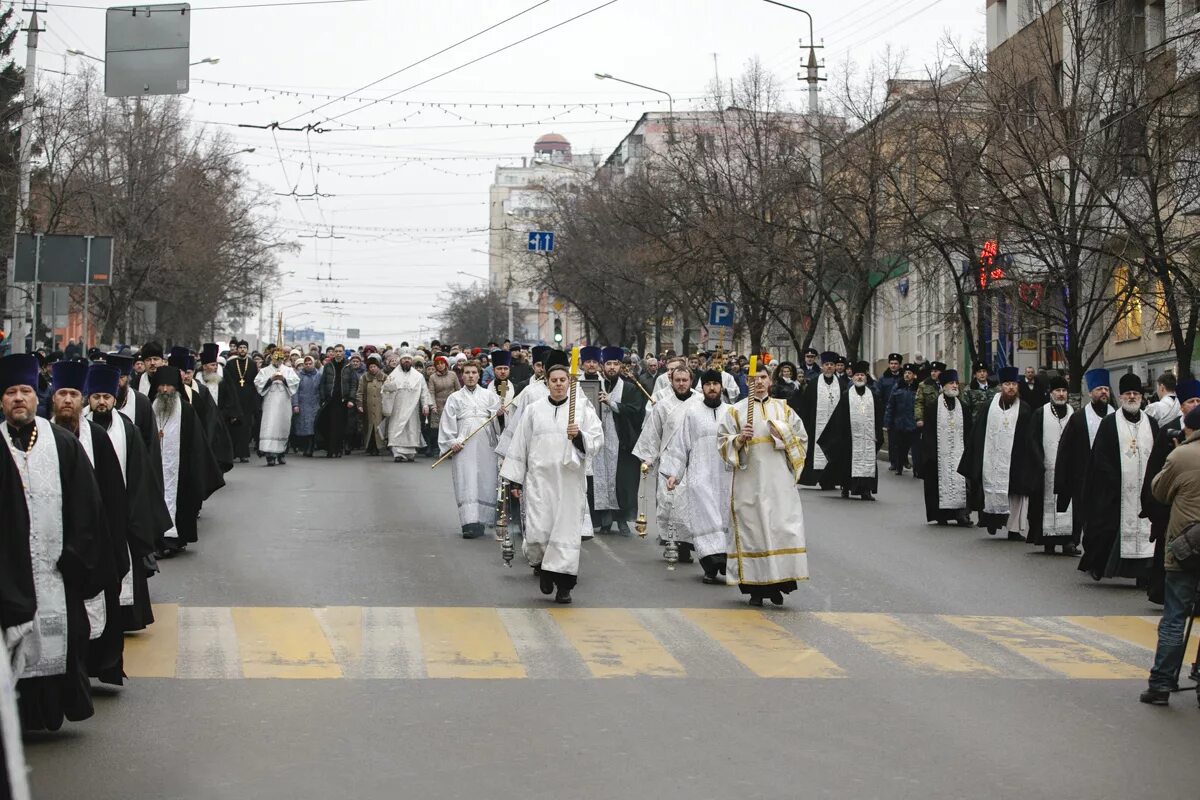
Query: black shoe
[1070, 549]
[685, 553]
[991, 531]
[1155, 697]
[398, 459]
[623, 529]
[546, 583]
[868, 496]
[942, 523]
[964, 521]
[846, 494]
[756, 601]
[270, 461]
[1048, 549]
[1013, 536]
[711, 580]
[243, 461]
[563, 596]
[777, 598]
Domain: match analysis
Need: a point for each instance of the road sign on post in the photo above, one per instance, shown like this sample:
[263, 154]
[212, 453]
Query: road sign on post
[55, 258]
[720, 315]
[541, 242]
[146, 50]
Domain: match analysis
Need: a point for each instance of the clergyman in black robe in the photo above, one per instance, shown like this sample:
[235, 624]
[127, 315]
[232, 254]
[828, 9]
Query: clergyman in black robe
[206, 409]
[1047, 422]
[808, 410]
[46, 697]
[1075, 448]
[198, 473]
[945, 412]
[132, 403]
[147, 516]
[211, 379]
[995, 515]
[1116, 537]
[845, 441]
[240, 373]
[623, 414]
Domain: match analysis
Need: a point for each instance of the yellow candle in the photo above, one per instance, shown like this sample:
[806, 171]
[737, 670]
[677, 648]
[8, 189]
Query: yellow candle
[753, 366]
[574, 360]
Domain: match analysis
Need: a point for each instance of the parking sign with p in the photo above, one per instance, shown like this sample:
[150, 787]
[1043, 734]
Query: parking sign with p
[720, 315]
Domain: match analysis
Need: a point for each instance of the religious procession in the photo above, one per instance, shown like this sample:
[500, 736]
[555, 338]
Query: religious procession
[111, 459]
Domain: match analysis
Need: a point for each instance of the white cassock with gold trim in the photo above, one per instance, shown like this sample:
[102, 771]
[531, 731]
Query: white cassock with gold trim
[767, 544]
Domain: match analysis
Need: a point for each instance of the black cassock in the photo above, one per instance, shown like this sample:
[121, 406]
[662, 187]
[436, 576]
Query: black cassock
[45, 701]
[929, 459]
[1102, 526]
[239, 376]
[199, 474]
[229, 414]
[971, 465]
[105, 653]
[628, 423]
[215, 432]
[836, 441]
[148, 518]
[1037, 479]
[1159, 514]
[807, 408]
[1075, 448]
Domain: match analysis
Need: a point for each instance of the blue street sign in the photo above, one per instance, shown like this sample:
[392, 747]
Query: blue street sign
[541, 242]
[720, 315]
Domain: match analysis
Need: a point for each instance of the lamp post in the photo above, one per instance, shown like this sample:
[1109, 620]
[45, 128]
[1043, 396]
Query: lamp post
[604, 76]
[812, 67]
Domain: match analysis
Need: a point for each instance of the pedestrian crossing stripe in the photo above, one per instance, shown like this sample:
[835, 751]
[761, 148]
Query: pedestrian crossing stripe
[472, 643]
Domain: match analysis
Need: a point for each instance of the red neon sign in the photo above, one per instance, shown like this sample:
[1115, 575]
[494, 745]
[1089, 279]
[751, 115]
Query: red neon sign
[989, 270]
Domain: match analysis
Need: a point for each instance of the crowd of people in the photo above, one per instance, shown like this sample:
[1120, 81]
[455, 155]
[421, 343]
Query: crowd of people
[110, 458]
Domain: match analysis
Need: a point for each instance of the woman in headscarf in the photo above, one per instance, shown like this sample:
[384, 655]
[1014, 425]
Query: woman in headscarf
[442, 384]
[785, 386]
[308, 400]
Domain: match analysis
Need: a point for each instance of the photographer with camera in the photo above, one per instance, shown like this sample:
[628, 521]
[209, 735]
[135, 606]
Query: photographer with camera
[1178, 485]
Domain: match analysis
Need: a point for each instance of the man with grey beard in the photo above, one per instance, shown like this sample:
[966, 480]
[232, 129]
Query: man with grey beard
[1048, 526]
[947, 420]
[1116, 539]
[190, 472]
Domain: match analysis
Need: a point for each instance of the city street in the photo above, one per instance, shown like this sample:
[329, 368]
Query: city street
[332, 635]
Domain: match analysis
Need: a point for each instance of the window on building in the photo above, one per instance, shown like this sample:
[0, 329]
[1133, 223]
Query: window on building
[1162, 320]
[635, 146]
[1027, 97]
[1155, 23]
[1127, 303]
[1057, 78]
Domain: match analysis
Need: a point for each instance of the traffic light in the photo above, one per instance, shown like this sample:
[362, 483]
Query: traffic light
[557, 330]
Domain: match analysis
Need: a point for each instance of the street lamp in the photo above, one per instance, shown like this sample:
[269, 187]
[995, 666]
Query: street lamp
[811, 68]
[604, 76]
[208, 60]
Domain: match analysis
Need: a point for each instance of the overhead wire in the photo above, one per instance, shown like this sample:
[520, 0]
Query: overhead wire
[423, 60]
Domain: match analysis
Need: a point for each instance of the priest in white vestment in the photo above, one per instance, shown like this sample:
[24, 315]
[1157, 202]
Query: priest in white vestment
[406, 401]
[767, 554]
[473, 465]
[699, 479]
[1048, 526]
[661, 420]
[1116, 538]
[547, 463]
[996, 460]
[277, 384]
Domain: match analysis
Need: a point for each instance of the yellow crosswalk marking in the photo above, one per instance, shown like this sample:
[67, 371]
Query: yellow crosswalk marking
[283, 643]
[467, 643]
[765, 648]
[1053, 651]
[153, 653]
[614, 644]
[911, 647]
[343, 630]
[1136, 630]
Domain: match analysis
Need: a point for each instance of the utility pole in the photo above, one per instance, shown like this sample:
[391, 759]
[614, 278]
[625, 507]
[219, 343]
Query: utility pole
[15, 323]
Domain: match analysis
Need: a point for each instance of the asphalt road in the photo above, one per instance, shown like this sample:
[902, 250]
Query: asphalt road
[331, 635]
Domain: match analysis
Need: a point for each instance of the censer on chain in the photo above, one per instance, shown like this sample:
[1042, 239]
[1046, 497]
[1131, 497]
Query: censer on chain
[640, 525]
[502, 532]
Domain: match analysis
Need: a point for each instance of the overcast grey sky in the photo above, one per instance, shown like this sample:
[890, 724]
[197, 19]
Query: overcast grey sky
[430, 208]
